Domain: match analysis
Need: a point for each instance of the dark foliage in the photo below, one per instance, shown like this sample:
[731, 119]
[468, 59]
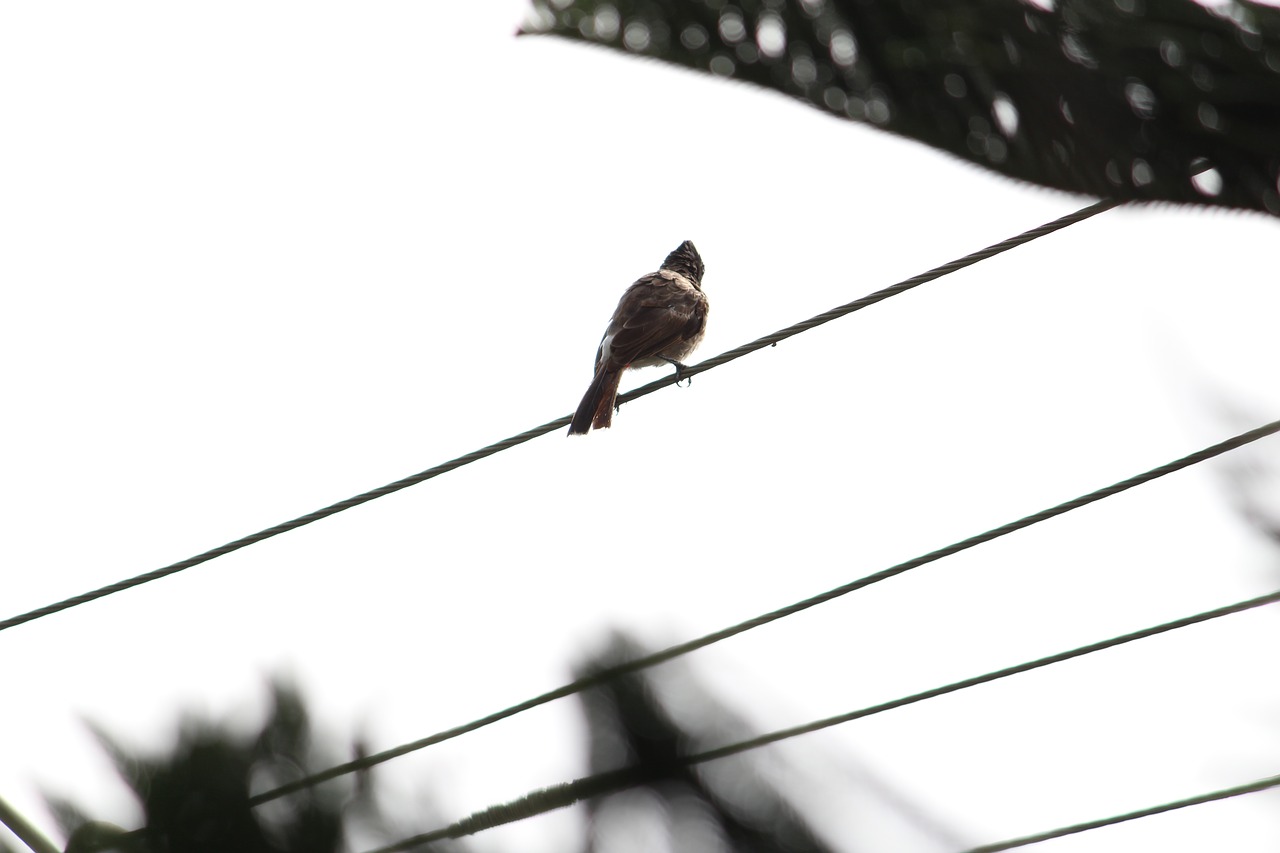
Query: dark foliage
[630, 727]
[196, 798]
[1124, 99]
[201, 795]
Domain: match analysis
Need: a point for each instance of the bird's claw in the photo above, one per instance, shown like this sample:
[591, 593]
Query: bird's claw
[680, 369]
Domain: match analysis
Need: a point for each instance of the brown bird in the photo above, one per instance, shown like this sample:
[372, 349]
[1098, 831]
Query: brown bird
[661, 318]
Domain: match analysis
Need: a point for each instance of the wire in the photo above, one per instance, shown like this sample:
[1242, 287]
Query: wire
[551, 426]
[701, 642]
[300, 521]
[24, 830]
[817, 725]
[1225, 793]
[871, 299]
[569, 793]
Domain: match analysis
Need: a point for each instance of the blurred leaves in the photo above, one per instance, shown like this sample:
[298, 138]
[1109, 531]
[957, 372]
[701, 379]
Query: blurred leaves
[1123, 99]
[204, 794]
[726, 805]
[197, 797]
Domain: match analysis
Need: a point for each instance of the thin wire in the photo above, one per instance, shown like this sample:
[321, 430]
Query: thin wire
[725, 633]
[1225, 793]
[300, 521]
[25, 830]
[817, 725]
[552, 426]
[871, 299]
[568, 793]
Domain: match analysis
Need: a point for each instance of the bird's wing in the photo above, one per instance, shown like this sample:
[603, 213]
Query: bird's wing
[654, 314]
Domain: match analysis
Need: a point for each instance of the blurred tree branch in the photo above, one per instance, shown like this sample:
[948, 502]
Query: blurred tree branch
[1125, 99]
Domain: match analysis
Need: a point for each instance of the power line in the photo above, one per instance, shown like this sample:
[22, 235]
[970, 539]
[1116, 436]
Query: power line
[880, 295]
[25, 830]
[551, 426]
[817, 725]
[701, 642]
[1225, 793]
[284, 527]
[569, 793]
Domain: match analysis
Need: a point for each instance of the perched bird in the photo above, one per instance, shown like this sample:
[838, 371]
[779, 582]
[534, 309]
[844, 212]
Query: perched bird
[661, 318]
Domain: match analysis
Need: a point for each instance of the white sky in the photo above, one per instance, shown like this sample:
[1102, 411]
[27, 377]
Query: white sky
[260, 257]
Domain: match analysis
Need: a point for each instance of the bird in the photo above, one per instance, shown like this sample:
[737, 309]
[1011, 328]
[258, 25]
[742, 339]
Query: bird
[660, 319]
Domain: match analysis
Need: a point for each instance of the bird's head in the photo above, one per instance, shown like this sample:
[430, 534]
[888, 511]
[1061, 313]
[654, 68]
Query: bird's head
[686, 261]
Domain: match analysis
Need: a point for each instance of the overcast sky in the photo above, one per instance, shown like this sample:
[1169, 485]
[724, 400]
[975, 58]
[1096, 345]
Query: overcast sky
[257, 258]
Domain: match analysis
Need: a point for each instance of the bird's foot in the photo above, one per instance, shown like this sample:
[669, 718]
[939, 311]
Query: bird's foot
[680, 369]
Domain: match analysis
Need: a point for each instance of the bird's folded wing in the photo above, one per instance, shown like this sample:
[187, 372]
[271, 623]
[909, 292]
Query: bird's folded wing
[654, 318]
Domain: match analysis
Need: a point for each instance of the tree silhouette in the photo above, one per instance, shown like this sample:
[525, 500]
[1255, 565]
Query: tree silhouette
[1123, 99]
[197, 797]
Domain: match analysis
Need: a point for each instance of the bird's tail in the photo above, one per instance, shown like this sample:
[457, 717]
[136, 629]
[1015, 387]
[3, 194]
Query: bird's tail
[596, 408]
